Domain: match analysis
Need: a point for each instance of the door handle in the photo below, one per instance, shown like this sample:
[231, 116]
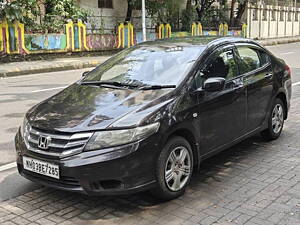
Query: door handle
[269, 75]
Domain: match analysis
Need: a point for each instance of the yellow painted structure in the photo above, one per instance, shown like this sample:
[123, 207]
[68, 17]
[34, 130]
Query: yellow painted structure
[130, 35]
[123, 40]
[83, 27]
[19, 37]
[225, 29]
[70, 36]
[1, 38]
[22, 29]
[221, 28]
[244, 30]
[164, 31]
[197, 29]
[168, 30]
[81, 36]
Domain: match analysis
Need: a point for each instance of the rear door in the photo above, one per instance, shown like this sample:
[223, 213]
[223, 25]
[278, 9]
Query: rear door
[256, 67]
[222, 114]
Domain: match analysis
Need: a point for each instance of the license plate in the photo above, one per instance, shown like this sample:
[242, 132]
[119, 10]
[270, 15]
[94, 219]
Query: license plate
[41, 167]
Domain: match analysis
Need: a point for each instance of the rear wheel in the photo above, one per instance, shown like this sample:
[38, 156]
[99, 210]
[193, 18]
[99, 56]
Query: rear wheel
[174, 169]
[275, 122]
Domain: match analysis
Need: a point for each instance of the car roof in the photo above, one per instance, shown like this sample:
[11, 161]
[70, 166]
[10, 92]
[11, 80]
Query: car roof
[208, 41]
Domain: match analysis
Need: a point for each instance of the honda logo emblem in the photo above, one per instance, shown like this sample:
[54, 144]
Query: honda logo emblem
[44, 142]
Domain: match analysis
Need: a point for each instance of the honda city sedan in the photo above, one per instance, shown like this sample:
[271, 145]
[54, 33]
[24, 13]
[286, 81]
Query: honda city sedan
[148, 116]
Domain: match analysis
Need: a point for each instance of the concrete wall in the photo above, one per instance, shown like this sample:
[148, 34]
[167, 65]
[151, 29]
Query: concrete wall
[34, 42]
[101, 41]
[272, 21]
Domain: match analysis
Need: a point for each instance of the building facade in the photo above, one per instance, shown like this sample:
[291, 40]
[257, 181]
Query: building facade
[107, 14]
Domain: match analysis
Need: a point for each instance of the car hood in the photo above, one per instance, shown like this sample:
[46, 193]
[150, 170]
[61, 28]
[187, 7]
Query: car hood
[86, 108]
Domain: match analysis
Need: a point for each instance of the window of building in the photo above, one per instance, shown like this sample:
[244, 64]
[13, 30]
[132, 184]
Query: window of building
[289, 16]
[105, 4]
[273, 15]
[281, 16]
[255, 14]
[250, 59]
[265, 15]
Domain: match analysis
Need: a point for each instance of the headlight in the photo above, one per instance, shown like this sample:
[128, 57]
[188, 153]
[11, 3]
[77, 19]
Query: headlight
[106, 139]
[24, 126]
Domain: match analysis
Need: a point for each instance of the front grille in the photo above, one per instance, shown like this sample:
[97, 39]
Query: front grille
[58, 145]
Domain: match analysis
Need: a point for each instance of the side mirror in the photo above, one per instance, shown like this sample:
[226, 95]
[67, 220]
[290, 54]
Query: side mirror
[214, 84]
[85, 73]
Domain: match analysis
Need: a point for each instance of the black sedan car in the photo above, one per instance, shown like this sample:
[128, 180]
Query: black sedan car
[149, 115]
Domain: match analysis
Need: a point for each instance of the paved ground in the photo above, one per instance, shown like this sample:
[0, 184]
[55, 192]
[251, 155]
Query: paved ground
[252, 183]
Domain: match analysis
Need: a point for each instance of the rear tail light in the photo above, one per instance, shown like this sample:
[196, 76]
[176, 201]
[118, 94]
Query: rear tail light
[287, 70]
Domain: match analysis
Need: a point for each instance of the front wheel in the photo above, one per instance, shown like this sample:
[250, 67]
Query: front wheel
[275, 122]
[174, 168]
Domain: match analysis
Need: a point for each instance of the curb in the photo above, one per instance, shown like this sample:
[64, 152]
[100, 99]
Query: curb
[278, 41]
[55, 68]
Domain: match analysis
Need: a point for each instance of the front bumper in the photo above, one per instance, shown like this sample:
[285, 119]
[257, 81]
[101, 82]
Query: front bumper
[98, 173]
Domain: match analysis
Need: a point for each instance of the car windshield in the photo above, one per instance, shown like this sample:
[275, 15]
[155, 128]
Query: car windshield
[148, 65]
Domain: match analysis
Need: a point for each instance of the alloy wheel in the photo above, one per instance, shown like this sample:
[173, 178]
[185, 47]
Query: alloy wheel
[178, 168]
[277, 118]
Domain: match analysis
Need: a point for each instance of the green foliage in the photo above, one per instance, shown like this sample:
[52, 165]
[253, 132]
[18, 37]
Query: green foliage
[56, 15]
[58, 12]
[165, 11]
[66, 9]
[213, 16]
[21, 10]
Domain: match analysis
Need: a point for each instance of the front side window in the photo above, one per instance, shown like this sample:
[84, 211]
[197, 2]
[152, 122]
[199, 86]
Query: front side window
[249, 59]
[148, 65]
[223, 65]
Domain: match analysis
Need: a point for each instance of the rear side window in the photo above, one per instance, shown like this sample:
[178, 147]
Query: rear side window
[264, 58]
[250, 59]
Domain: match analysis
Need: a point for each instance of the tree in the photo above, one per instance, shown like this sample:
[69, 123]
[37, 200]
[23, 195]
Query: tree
[187, 16]
[165, 11]
[129, 10]
[241, 9]
[202, 6]
[235, 19]
[24, 11]
[232, 12]
[58, 12]
[131, 5]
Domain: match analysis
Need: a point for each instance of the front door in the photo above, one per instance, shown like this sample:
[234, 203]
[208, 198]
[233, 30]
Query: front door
[222, 114]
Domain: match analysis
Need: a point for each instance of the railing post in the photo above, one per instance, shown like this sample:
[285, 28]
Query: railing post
[168, 30]
[82, 33]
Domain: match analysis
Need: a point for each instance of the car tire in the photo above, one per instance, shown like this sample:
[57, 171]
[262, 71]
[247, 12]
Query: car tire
[174, 169]
[275, 121]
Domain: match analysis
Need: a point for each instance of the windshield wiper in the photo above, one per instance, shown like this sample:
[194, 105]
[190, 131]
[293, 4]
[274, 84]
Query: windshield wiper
[112, 83]
[155, 87]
